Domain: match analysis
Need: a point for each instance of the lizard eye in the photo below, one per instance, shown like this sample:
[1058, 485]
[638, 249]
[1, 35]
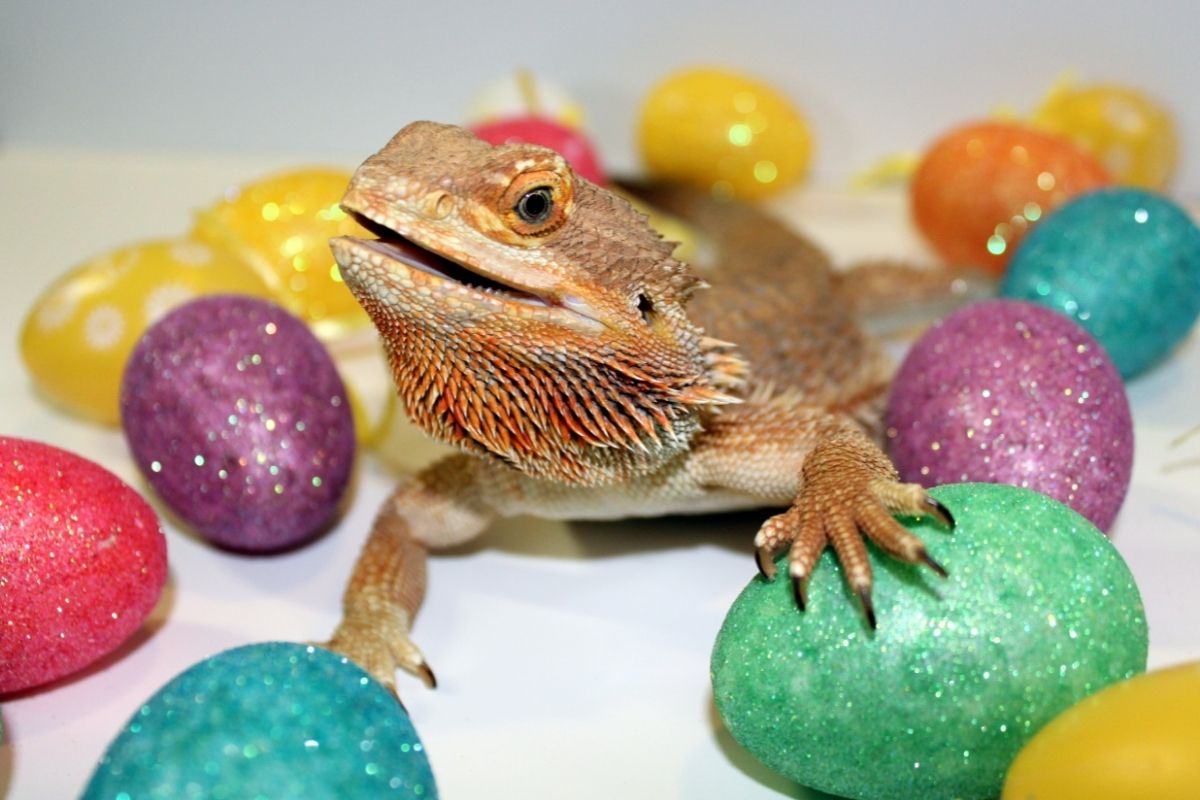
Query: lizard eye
[536, 203]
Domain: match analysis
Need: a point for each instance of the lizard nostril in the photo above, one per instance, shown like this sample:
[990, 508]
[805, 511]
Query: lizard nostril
[437, 205]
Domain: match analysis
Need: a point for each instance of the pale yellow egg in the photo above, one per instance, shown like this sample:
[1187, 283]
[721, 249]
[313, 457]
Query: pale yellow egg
[1132, 134]
[1137, 738]
[78, 334]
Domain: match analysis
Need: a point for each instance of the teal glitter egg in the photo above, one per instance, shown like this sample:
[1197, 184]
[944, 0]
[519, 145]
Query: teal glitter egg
[1038, 612]
[274, 720]
[1124, 263]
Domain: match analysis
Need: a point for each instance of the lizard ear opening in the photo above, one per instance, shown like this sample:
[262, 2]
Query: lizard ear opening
[645, 306]
[536, 203]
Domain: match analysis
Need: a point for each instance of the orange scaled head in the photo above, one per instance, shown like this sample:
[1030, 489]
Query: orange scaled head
[527, 313]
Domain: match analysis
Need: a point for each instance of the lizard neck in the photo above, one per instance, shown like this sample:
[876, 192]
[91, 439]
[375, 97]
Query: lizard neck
[572, 412]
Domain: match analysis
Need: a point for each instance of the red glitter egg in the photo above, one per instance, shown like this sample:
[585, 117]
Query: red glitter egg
[82, 563]
[980, 187]
[567, 142]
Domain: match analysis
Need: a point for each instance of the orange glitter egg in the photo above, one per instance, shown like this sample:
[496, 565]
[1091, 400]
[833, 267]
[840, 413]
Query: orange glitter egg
[980, 187]
[281, 226]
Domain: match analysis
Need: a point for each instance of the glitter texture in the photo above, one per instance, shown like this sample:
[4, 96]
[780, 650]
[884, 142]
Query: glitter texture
[1039, 611]
[281, 226]
[1011, 392]
[1124, 263]
[237, 417]
[723, 132]
[82, 563]
[981, 186]
[273, 720]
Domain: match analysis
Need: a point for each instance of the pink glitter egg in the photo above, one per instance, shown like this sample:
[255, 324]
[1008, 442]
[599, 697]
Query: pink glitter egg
[239, 420]
[82, 563]
[1011, 392]
[571, 144]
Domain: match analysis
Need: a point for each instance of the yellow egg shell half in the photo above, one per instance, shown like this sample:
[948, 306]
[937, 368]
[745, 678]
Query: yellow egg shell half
[1131, 134]
[1138, 738]
[76, 338]
[281, 226]
[724, 132]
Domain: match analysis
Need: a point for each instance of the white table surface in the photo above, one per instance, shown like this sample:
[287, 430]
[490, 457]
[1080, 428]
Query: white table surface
[573, 659]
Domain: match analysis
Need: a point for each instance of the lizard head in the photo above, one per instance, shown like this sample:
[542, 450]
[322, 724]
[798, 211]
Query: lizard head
[527, 313]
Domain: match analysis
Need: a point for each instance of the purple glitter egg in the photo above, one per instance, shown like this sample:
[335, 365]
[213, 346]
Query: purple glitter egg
[1012, 392]
[238, 418]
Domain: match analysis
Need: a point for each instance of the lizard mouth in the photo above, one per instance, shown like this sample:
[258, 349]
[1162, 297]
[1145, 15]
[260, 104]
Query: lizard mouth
[394, 246]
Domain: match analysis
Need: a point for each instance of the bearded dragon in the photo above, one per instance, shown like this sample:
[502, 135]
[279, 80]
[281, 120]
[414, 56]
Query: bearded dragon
[538, 323]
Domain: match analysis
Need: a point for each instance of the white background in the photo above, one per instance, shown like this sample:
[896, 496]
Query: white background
[573, 659]
[337, 78]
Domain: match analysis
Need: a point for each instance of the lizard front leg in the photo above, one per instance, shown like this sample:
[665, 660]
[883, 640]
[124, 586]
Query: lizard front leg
[841, 487]
[439, 507]
[849, 490]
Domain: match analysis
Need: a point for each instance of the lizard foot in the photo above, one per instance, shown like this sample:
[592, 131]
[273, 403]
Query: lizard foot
[849, 492]
[380, 644]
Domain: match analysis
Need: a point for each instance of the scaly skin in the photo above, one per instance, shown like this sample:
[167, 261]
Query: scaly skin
[583, 373]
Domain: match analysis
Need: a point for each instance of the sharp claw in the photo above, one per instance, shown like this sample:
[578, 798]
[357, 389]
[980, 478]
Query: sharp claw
[798, 591]
[766, 564]
[934, 565]
[426, 675]
[864, 595]
[938, 510]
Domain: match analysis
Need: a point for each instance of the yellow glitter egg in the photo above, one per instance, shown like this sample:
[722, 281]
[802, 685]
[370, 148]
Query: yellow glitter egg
[1131, 134]
[1137, 738]
[281, 226]
[77, 336]
[726, 132]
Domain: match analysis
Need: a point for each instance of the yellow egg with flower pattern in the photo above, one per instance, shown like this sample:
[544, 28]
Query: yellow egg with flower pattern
[724, 132]
[281, 225]
[1132, 134]
[79, 333]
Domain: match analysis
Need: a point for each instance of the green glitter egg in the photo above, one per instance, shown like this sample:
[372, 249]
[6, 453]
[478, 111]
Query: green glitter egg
[1038, 612]
[274, 720]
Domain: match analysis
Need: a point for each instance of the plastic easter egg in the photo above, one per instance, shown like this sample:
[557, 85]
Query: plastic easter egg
[1132, 134]
[525, 93]
[281, 226]
[267, 720]
[82, 563]
[725, 132]
[77, 336]
[1010, 392]
[1137, 738]
[569, 143]
[1038, 611]
[1123, 263]
[238, 419]
[981, 186]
